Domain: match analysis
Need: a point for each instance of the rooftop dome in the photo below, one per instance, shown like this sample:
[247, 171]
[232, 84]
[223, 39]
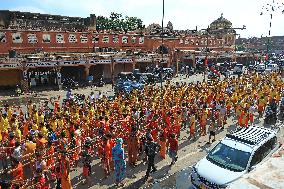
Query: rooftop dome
[221, 23]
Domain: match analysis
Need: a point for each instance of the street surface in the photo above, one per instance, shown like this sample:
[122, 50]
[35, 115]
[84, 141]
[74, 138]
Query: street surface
[177, 176]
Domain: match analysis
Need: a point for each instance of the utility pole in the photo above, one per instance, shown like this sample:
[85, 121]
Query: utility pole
[270, 9]
[267, 46]
[162, 47]
[206, 54]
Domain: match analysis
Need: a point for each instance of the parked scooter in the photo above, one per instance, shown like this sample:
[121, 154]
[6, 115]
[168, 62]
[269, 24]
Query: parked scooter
[100, 83]
[70, 83]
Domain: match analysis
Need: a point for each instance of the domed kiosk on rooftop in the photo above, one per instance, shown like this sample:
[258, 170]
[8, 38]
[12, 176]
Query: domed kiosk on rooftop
[221, 25]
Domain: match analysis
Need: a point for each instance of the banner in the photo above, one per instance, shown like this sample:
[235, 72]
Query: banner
[12, 65]
[123, 60]
[143, 60]
[99, 62]
[76, 62]
[40, 64]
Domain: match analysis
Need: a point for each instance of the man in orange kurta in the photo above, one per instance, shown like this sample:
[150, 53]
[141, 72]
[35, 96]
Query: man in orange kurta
[133, 147]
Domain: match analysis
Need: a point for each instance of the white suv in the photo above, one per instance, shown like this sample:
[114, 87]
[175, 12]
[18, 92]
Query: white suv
[234, 156]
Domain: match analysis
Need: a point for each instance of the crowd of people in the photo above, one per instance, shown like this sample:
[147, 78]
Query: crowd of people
[40, 145]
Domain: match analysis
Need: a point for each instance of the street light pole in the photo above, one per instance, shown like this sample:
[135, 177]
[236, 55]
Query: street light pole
[267, 45]
[236, 47]
[271, 9]
[162, 48]
[206, 53]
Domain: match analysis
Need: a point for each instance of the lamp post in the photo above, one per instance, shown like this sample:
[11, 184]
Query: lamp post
[112, 71]
[206, 54]
[162, 47]
[236, 46]
[271, 8]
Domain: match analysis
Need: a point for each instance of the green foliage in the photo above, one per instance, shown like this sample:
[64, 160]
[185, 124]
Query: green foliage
[116, 22]
[240, 48]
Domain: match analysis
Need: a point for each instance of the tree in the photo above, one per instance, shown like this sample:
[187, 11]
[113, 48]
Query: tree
[116, 22]
[102, 23]
[115, 19]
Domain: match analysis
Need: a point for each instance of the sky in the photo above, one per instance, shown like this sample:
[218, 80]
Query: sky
[184, 14]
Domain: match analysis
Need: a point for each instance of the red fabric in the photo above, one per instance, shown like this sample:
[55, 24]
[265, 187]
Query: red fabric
[206, 61]
[11, 146]
[107, 150]
[154, 134]
[173, 144]
[18, 173]
[215, 71]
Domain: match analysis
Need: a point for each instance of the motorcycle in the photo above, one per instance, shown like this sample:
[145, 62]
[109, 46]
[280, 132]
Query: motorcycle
[70, 83]
[100, 83]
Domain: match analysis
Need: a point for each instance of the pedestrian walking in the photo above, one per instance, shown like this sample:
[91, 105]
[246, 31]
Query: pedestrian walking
[211, 132]
[151, 151]
[118, 157]
[173, 148]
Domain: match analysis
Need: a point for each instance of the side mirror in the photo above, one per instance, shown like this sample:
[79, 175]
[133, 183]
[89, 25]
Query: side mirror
[206, 150]
[251, 168]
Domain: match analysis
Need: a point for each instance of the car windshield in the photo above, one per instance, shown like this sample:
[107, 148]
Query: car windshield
[229, 158]
[269, 66]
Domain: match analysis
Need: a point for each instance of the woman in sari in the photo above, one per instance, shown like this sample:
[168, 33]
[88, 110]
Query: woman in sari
[119, 162]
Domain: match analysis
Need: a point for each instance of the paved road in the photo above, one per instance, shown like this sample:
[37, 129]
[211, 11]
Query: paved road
[181, 179]
[41, 96]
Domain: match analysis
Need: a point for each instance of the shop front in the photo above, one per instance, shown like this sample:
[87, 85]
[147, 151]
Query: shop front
[74, 69]
[10, 78]
[39, 77]
[41, 74]
[97, 71]
[123, 65]
[144, 64]
[101, 68]
[10, 75]
[77, 73]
